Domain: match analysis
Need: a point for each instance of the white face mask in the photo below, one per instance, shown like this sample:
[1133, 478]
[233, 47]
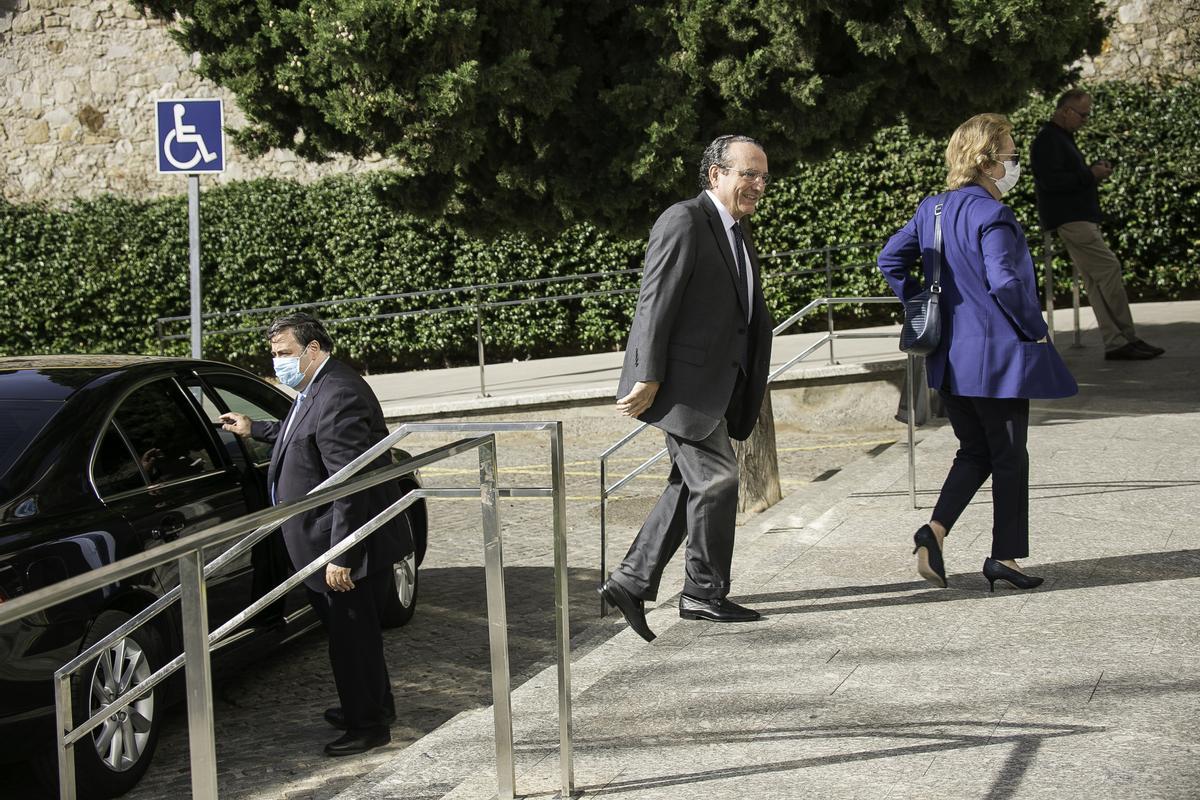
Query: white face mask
[1012, 171]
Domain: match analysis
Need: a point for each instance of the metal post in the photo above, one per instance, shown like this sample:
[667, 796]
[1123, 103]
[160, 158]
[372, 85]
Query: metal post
[829, 294]
[1048, 260]
[562, 618]
[603, 530]
[66, 722]
[479, 342]
[201, 740]
[493, 570]
[1075, 339]
[194, 257]
[910, 376]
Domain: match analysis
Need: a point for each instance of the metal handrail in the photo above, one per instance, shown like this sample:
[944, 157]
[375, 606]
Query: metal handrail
[474, 303]
[1048, 289]
[198, 646]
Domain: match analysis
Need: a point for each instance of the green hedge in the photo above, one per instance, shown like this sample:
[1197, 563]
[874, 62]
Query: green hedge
[94, 277]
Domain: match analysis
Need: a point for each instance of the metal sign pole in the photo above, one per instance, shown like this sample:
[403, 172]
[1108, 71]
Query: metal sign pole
[194, 257]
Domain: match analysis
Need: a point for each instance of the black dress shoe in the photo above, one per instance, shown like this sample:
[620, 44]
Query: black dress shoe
[358, 741]
[1128, 352]
[633, 608]
[337, 719]
[929, 557]
[718, 609]
[1149, 348]
[994, 571]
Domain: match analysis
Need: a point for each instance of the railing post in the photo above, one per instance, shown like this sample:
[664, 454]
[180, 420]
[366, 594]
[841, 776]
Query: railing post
[493, 571]
[829, 294]
[562, 618]
[1075, 338]
[479, 342]
[194, 610]
[910, 378]
[65, 720]
[1048, 260]
[603, 530]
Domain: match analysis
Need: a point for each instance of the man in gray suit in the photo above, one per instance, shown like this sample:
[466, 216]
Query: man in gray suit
[696, 367]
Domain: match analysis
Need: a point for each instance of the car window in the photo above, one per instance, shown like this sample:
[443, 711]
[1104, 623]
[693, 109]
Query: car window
[115, 469]
[255, 399]
[165, 433]
[20, 423]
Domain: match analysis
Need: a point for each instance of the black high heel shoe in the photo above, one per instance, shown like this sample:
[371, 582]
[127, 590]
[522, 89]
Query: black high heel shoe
[994, 571]
[929, 557]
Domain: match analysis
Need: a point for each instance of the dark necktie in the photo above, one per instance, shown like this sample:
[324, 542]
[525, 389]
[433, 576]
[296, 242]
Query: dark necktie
[739, 255]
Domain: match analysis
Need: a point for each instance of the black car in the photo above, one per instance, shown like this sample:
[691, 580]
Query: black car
[101, 458]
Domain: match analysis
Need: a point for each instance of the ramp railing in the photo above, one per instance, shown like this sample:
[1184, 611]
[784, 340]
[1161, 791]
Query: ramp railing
[187, 552]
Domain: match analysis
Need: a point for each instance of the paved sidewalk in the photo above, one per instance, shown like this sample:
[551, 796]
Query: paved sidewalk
[862, 681]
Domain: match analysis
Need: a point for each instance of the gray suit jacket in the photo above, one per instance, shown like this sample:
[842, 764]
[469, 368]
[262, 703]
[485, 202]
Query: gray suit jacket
[690, 329]
[338, 421]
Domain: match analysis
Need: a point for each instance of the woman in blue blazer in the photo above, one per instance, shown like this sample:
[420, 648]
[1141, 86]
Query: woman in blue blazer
[994, 354]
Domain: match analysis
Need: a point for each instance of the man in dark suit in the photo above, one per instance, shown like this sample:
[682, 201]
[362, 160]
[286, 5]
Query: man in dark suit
[696, 366]
[336, 417]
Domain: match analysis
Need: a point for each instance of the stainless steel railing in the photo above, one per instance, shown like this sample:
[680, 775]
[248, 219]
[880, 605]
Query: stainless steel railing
[1048, 289]
[187, 552]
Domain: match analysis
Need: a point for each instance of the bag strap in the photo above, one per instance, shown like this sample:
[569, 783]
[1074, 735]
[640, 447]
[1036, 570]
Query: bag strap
[935, 286]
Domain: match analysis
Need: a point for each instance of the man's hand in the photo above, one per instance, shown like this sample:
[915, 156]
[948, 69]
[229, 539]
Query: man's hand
[1101, 169]
[236, 423]
[338, 578]
[637, 401]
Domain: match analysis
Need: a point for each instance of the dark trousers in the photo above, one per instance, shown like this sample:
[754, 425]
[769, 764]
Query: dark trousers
[699, 505]
[992, 433]
[356, 647]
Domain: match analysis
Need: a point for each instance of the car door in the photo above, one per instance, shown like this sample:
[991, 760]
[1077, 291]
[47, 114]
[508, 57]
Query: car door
[186, 485]
[244, 394]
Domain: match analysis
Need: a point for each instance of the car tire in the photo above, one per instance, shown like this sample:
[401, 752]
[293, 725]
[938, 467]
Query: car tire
[400, 612]
[116, 754]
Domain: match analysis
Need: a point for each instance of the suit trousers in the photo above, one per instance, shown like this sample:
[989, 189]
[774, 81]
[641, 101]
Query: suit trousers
[699, 505]
[1101, 272]
[356, 648]
[992, 433]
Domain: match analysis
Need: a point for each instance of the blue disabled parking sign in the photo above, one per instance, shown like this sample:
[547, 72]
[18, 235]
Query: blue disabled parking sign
[190, 135]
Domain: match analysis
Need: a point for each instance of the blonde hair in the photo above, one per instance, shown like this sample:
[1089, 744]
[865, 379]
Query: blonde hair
[973, 146]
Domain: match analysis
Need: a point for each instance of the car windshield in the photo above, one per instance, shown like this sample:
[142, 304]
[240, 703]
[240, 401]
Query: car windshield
[20, 423]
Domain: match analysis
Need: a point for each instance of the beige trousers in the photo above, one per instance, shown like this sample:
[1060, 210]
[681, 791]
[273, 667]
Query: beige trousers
[1102, 280]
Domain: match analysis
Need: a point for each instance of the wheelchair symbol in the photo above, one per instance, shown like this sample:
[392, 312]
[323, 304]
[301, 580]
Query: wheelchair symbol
[183, 134]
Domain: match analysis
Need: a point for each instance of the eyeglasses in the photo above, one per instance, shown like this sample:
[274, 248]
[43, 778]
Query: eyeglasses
[1013, 157]
[1080, 114]
[751, 175]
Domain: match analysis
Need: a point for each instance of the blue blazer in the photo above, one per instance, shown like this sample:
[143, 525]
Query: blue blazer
[991, 315]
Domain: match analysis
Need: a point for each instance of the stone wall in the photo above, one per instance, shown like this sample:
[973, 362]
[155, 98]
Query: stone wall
[1152, 40]
[80, 78]
[77, 114]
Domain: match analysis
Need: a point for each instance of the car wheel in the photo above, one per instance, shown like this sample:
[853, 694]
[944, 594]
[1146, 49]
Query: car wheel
[114, 756]
[404, 573]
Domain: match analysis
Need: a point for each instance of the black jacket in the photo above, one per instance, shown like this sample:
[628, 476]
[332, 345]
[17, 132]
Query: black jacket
[1063, 181]
[338, 421]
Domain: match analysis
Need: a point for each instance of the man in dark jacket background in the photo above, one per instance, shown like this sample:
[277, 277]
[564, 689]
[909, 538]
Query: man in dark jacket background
[1068, 202]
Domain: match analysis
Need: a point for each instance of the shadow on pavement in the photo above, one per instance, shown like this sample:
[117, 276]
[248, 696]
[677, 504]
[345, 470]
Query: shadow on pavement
[922, 738]
[1077, 574]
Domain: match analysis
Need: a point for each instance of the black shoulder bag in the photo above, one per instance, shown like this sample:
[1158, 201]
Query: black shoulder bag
[922, 329]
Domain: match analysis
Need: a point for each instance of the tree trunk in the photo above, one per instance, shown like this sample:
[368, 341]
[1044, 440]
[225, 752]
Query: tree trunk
[758, 463]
